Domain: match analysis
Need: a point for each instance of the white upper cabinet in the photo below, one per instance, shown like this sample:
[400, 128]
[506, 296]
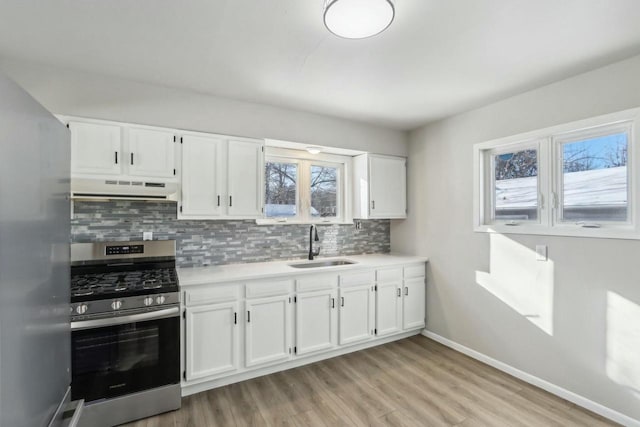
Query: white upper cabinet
[109, 148]
[201, 178]
[245, 176]
[96, 149]
[380, 186]
[151, 153]
[222, 177]
[388, 187]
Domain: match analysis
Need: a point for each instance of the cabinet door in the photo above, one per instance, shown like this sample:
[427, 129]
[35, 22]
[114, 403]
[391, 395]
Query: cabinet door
[211, 340]
[356, 314]
[267, 330]
[96, 149]
[414, 303]
[388, 187]
[151, 153]
[316, 321]
[388, 308]
[201, 195]
[245, 175]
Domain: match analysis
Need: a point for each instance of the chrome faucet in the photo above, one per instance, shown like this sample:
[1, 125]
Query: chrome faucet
[311, 239]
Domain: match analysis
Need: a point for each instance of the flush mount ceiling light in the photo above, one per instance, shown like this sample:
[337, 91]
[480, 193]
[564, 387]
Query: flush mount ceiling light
[314, 150]
[358, 19]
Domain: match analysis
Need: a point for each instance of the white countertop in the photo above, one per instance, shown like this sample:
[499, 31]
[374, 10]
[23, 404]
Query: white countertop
[260, 270]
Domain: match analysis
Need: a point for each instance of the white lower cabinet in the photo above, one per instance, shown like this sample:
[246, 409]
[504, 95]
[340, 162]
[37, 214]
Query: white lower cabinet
[356, 314]
[388, 308]
[413, 298]
[316, 321]
[232, 329]
[267, 326]
[212, 340]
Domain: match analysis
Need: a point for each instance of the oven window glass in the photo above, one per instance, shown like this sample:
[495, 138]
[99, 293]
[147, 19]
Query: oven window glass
[135, 348]
[116, 360]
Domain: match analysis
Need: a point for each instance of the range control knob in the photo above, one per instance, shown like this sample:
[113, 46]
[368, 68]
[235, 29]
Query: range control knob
[82, 308]
[161, 299]
[116, 305]
[148, 301]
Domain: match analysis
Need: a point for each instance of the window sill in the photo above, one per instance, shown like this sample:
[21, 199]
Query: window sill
[627, 233]
[265, 221]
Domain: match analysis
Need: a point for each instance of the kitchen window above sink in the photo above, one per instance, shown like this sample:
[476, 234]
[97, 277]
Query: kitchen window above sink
[305, 188]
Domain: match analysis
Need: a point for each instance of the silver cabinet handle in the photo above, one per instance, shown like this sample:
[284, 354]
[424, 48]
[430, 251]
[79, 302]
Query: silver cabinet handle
[248, 316]
[230, 201]
[406, 290]
[218, 200]
[373, 204]
[399, 293]
[333, 303]
[120, 320]
[131, 158]
[341, 301]
[116, 153]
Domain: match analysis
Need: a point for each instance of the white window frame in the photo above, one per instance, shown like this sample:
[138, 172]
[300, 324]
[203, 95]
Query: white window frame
[550, 179]
[558, 194]
[305, 160]
[489, 201]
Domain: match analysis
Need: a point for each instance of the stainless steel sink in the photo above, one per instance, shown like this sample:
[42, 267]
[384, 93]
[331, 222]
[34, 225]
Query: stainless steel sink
[328, 263]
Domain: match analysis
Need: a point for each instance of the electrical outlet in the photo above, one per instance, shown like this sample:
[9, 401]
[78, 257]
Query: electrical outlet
[541, 252]
[147, 235]
[358, 224]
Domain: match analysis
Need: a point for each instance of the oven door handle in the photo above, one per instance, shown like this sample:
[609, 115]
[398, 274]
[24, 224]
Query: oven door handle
[120, 320]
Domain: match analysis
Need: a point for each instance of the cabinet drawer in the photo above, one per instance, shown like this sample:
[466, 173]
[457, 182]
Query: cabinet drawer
[268, 288]
[414, 271]
[211, 295]
[317, 282]
[389, 275]
[357, 278]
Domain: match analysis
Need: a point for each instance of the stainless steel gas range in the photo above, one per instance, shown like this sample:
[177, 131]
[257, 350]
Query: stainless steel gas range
[125, 330]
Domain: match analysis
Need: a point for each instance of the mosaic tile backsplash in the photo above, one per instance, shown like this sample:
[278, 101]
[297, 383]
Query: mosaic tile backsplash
[202, 243]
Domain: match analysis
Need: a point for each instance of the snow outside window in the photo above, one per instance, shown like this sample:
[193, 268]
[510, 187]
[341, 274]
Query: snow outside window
[577, 179]
[515, 185]
[594, 176]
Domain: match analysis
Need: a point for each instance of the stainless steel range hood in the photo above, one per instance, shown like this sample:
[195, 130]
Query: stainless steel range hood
[119, 189]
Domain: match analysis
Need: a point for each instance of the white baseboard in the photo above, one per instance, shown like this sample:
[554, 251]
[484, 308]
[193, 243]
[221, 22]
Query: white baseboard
[538, 382]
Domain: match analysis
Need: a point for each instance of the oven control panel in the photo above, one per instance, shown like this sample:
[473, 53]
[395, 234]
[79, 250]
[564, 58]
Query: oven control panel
[120, 306]
[124, 249]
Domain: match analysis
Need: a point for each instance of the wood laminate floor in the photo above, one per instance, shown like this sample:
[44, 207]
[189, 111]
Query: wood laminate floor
[412, 382]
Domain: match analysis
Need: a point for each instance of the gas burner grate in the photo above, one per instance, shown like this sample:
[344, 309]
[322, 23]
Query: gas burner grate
[102, 285]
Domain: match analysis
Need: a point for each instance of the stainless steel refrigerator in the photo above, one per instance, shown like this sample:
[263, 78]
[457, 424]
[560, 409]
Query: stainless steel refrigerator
[34, 261]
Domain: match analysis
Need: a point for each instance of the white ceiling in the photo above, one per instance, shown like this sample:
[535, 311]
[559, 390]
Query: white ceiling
[438, 58]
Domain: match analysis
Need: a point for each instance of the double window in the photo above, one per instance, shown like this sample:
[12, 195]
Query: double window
[302, 188]
[576, 179]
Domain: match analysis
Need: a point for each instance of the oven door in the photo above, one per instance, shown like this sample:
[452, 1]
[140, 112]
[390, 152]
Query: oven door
[125, 354]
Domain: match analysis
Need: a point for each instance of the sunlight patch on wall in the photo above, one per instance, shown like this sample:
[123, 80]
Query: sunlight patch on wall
[520, 281]
[623, 342]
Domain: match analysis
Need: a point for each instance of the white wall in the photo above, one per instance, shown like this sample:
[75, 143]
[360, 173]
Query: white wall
[89, 95]
[573, 321]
